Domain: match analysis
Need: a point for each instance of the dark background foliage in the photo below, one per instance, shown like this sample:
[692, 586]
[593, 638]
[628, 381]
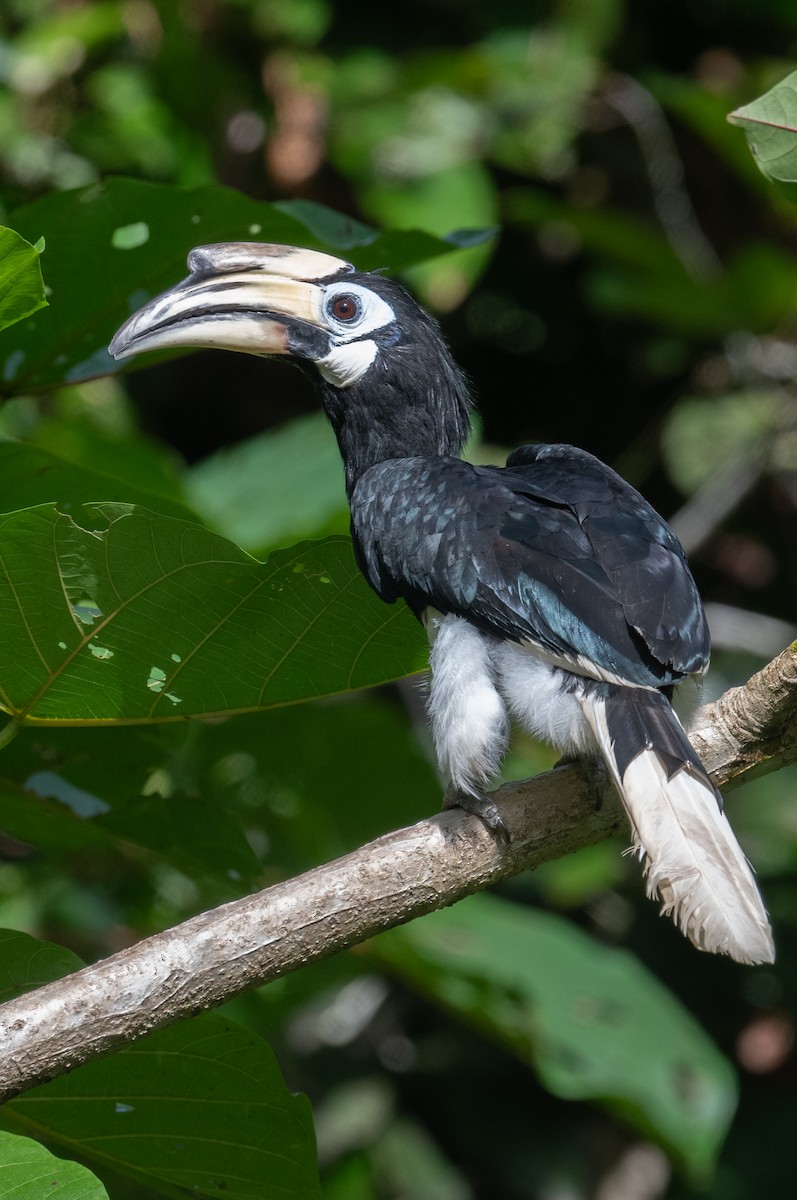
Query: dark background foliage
[637, 298]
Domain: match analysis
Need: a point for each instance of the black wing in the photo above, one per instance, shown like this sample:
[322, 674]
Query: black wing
[554, 548]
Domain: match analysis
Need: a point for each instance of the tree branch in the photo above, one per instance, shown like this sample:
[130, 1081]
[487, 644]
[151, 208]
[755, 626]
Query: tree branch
[244, 944]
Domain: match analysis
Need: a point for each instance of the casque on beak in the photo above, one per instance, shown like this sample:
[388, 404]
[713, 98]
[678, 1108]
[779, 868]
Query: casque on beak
[248, 296]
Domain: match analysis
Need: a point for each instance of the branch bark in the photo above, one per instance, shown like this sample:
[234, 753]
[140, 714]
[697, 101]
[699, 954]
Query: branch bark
[246, 943]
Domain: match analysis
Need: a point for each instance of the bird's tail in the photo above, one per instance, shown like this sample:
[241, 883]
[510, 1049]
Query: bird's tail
[692, 859]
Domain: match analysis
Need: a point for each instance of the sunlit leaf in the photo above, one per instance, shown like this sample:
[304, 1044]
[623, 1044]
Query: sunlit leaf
[770, 126]
[52, 38]
[139, 617]
[112, 246]
[591, 1020]
[200, 1106]
[21, 285]
[29, 1172]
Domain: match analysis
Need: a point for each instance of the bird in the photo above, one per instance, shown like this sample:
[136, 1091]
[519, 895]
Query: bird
[553, 595]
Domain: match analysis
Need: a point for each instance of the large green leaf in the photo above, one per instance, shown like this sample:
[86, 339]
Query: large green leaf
[30, 475]
[593, 1022]
[112, 246]
[29, 1172]
[139, 617]
[21, 285]
[770, 126]
[200, 1105]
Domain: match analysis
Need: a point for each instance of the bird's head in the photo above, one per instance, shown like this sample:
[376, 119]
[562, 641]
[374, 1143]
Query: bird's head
[387, 379]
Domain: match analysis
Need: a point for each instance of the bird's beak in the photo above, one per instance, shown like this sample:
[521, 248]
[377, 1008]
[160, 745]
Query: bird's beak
[261, 299]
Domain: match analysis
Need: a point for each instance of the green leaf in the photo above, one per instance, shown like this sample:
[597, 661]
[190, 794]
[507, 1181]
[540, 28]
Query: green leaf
[240, 491]
[21, 284]
[68, 790]
[44, 823]
[30, 475]
[770, 126]
[190, 832]
[29, 1172]
[463, 195]
[316, 806]
[186, 792]
[114, 245]
[26, 963]
[145, 618]
[590, 1019]
[201, 1105]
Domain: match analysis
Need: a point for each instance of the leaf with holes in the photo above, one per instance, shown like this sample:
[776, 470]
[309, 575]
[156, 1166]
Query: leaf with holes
[132, 617]
[201, 1106]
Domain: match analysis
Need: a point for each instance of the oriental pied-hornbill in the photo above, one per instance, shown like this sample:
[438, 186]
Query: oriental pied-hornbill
[549, 588]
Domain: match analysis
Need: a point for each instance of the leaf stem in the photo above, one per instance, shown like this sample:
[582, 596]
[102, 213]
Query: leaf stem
[9, 731]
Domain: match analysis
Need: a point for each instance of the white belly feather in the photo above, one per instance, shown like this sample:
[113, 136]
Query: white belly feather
[477, 681]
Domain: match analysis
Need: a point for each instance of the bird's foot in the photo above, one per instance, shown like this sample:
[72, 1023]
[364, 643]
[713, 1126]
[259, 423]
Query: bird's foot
[481, 807]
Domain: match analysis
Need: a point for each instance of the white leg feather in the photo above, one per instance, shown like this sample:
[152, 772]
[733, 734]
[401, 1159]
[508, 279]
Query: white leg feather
[470, 727]
[693, 861]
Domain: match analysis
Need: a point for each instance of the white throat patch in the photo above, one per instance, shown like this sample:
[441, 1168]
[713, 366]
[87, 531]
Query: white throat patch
[345, 364]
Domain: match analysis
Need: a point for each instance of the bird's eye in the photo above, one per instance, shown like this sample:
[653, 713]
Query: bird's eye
[345, 308]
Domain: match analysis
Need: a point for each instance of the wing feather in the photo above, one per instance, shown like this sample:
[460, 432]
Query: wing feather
[554, 548]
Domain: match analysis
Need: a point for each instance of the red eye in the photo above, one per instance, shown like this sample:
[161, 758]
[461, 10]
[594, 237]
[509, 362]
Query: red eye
[345, 308]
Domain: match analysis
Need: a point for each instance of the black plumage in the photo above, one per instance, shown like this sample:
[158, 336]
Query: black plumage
[554, 549]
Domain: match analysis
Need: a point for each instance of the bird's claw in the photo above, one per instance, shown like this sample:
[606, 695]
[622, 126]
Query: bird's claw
[482, 807]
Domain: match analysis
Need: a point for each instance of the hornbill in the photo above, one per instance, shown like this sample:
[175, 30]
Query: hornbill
[549, 588]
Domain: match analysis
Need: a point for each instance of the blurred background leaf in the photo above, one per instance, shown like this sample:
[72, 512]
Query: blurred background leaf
[584, 1014]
